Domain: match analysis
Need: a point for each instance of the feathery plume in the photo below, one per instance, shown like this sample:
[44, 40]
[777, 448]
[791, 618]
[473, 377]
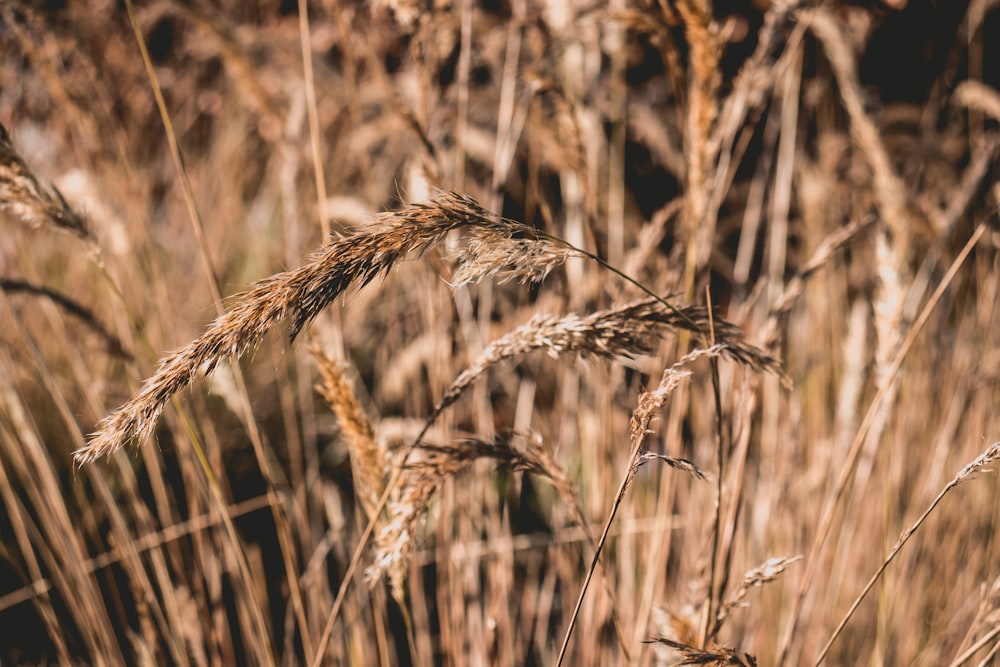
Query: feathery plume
[368, 457]
[617, 332]
[526, 258]
[716, 657]
[432, 466]
[766, 573]
[296, 297]
[24, 198]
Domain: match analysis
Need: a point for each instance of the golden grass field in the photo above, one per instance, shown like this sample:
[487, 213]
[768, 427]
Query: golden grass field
[500, 333]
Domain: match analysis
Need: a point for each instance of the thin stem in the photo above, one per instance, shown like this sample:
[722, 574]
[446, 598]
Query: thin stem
[990, 454]
[619, 497]
[311, 109]
[720, 464]
[281, 524]
[827, 516]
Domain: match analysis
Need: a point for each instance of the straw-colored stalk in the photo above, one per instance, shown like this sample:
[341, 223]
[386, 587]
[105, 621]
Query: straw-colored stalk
[298, 296]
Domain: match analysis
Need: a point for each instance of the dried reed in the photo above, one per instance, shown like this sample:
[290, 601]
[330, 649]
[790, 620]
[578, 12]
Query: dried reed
[369, 461]
[299, 295]
[425, 472]
[77, 310]
[25, 199]
[990, 455]
[649, 404]
[626, 331]
[766, 573]
[719, 657]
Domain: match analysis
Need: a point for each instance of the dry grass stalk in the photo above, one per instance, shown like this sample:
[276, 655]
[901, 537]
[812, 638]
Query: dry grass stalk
[990, 455]
[683, 465]
[864, 431]
[649, 404]
[795, 287]
[428, 469]
[718, 657]
[892, 239]
[77, 310]
[297, 297]
[980, 97]
[891, 242]
[987, 621]
[369, 462]
[701, 33]
[755, 79]
[767, 572]
[625, 331]
[24, 198]
[890, 190]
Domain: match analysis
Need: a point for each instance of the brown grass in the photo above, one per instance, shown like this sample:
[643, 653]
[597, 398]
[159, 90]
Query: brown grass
[298, 296]
[643, 334]
[24, 199]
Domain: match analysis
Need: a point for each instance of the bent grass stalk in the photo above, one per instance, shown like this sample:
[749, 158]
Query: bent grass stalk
[827, 516]
[649, 403]
[625, 331]
[991, 455]
[297, 297]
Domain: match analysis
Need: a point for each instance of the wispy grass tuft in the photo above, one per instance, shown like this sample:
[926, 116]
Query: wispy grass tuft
[625, 332]
[298, 296]
[428, 468]
[27, 200]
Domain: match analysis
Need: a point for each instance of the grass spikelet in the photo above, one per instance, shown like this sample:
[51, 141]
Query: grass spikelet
[649, 404]
[24, 198]
[429, 468]
[368, 457]
[526, 258]
[683, 465]
[716, 657]
[617, 332]
[295, 297]
[766, 573]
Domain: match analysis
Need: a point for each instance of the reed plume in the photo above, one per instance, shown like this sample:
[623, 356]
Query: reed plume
[432, 465]
[765, 573]
[298, 296]
[712, 657]
[368, 456]
[24, 198]
[626, 331]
